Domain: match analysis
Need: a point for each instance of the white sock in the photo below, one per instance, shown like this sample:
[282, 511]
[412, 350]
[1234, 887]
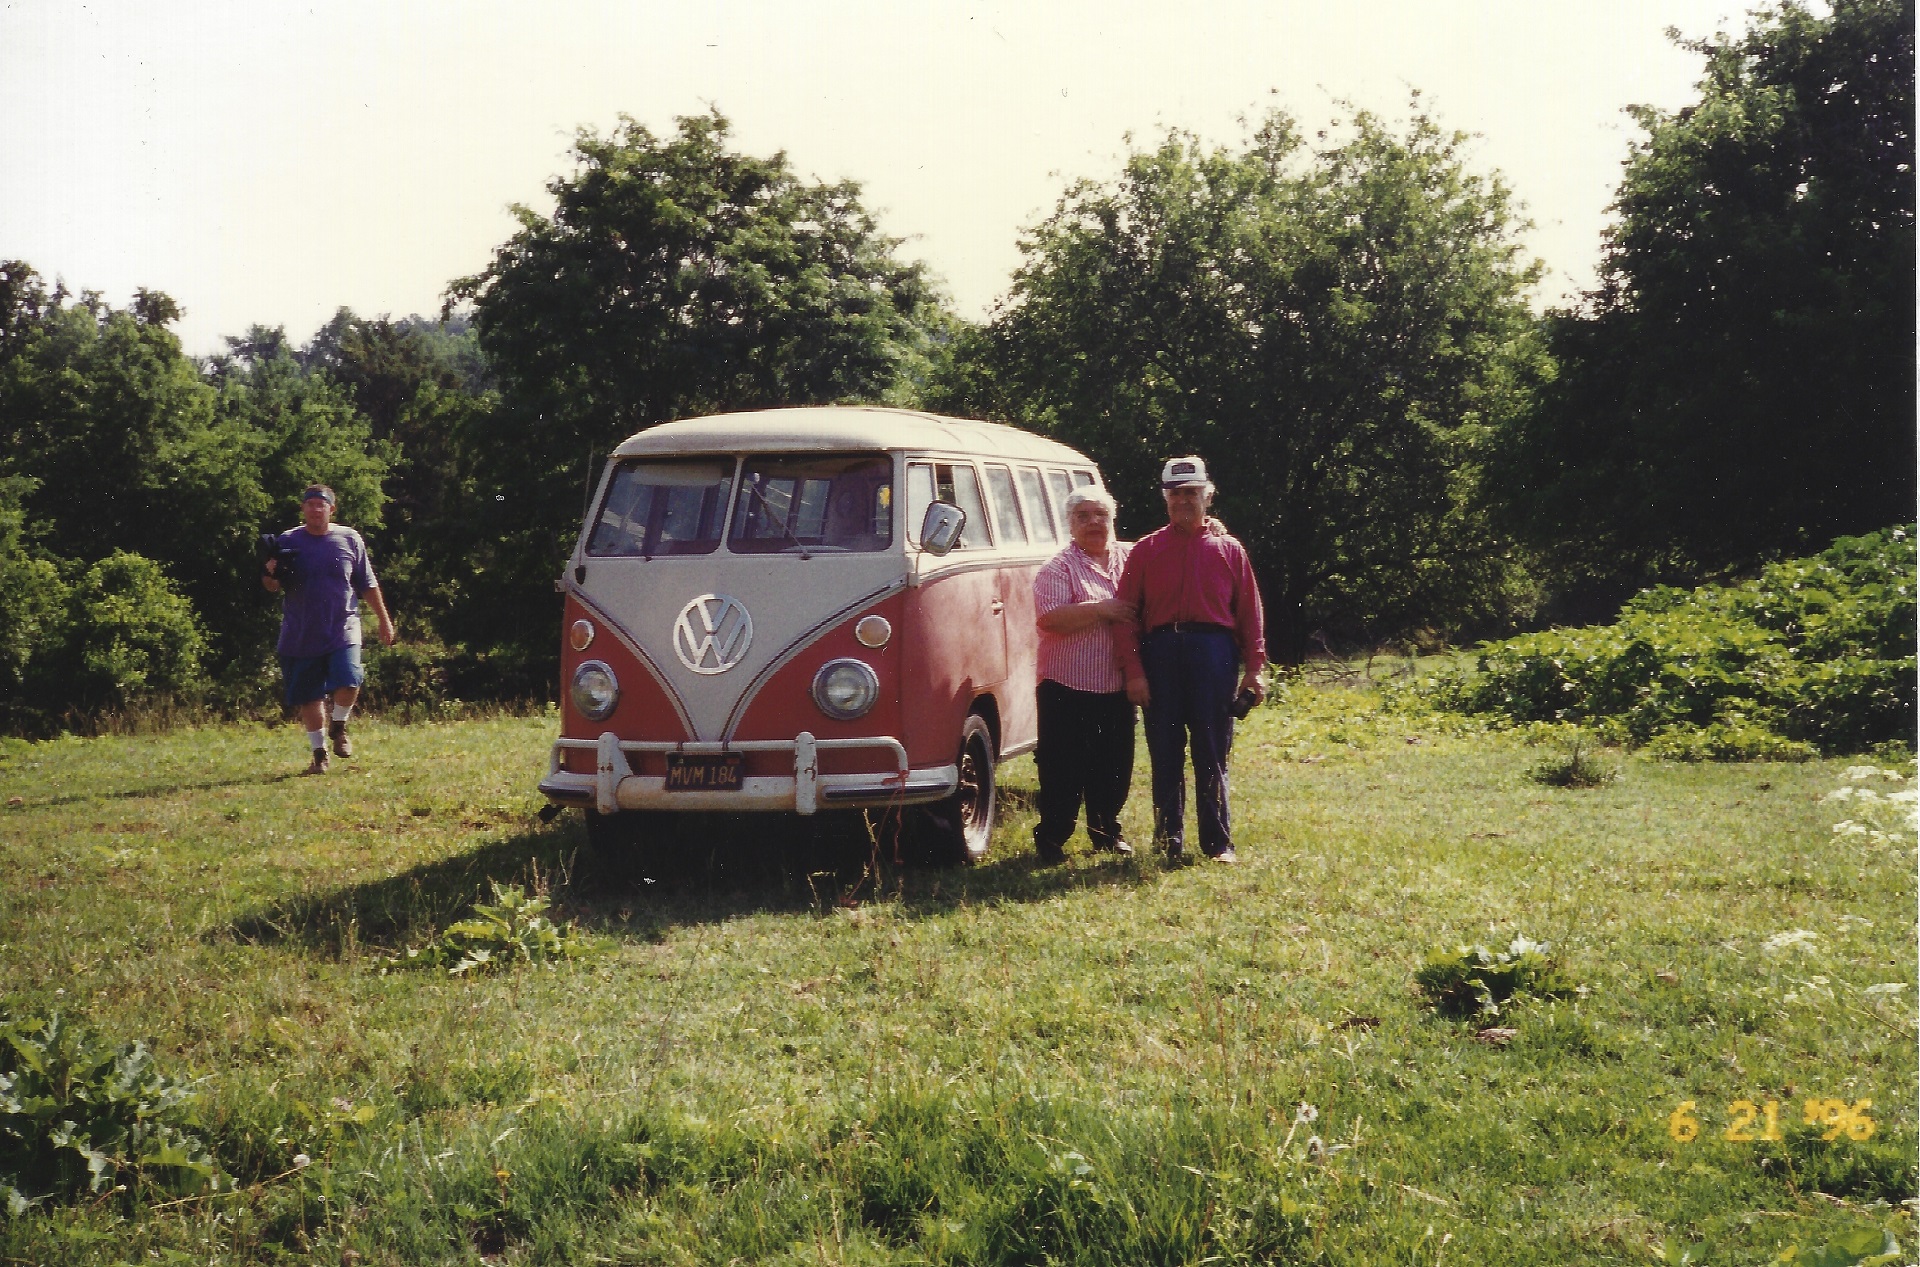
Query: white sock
[342, 711]
[316, 739]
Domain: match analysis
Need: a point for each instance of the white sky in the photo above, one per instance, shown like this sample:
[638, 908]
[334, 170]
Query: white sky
[269, 162]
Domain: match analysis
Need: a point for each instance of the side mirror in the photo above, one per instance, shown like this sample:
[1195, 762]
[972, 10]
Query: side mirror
[940, 529]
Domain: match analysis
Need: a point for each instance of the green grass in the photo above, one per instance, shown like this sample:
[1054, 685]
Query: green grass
[775, 1056]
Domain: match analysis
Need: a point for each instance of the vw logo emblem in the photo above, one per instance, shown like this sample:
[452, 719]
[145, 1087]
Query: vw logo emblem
[711, 634]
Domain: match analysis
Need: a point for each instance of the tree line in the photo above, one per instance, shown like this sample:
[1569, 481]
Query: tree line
[1339, 321]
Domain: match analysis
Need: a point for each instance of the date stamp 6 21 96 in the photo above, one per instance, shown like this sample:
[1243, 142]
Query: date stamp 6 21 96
[1750, 1123]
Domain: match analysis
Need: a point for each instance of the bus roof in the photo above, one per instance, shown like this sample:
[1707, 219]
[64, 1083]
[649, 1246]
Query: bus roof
[839, 427]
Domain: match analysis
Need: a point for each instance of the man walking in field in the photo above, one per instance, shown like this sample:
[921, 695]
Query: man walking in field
[327, 573]
[1196, 619]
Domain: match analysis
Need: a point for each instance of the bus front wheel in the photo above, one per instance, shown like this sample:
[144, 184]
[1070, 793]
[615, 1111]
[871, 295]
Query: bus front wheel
[958, 830]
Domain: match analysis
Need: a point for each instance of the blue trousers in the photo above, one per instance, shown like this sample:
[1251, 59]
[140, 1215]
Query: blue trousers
[1191, 678]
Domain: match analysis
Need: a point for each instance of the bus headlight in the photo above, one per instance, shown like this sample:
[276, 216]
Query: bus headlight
[595, 690]
[845, 689]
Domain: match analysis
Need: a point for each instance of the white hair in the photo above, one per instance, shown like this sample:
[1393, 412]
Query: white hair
[1091, 494]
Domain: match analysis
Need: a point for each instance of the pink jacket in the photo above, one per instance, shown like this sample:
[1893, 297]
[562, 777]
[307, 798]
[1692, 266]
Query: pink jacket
[1177, 576]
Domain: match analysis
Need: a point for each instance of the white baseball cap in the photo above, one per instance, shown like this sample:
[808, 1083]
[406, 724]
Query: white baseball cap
[1179, 472]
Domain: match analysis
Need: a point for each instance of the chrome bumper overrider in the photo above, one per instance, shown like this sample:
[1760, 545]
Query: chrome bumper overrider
[613, 786]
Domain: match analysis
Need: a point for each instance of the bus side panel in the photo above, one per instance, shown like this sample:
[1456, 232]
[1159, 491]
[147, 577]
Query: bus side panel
[1019, 711]
[953, 649]
[784, 705]
[644, 711]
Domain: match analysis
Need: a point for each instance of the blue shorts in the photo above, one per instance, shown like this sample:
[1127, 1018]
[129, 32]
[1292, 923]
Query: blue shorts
[312, 677]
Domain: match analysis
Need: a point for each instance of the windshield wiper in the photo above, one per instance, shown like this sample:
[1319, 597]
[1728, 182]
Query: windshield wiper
[754, 488]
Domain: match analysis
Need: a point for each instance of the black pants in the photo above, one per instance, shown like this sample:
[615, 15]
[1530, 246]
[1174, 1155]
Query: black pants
[1085, 753]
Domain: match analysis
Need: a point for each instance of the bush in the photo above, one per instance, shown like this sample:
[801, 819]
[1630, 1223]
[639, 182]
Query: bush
[78, 1115]
[1475, 981]
[1813, 655]
[407, 678]
[511, 930]
[133, 636]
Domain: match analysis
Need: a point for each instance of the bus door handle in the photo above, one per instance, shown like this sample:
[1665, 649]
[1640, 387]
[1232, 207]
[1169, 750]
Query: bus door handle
[998, 607]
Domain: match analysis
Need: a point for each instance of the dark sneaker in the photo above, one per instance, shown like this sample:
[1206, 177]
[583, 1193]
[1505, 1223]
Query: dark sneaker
[1225, 855]
[342, 746]
[1176, 849]
[319, 763]
[1049, 855]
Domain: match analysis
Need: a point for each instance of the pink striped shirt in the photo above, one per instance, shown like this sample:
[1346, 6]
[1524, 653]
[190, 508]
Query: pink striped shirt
[1083, 661]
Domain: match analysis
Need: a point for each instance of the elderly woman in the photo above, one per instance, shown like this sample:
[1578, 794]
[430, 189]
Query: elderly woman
[1086, 721]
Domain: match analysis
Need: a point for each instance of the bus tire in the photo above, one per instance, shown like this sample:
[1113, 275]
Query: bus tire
[956, 831]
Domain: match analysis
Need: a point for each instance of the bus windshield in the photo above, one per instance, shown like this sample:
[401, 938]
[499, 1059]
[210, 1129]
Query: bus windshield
[814, 503]
[663, 506]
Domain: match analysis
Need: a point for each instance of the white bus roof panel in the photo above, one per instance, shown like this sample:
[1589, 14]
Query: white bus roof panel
[842, 427]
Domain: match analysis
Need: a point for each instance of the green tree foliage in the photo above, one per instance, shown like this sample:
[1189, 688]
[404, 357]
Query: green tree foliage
[421, 385]
[33, 600]
[1741, 386]
[1335, 329]
[674, 277]
[138, 477]
[120, 437]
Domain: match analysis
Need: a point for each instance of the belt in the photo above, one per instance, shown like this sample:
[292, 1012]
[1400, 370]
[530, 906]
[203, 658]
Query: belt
[1190, 626]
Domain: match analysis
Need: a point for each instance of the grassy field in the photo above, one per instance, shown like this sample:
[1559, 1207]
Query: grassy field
[775, 1055]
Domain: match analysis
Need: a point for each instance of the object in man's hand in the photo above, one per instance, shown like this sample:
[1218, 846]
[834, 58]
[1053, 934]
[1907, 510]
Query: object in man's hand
[1243, 704]
[268, 547]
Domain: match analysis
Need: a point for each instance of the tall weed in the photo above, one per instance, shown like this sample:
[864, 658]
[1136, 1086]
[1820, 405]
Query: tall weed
[80, 1115]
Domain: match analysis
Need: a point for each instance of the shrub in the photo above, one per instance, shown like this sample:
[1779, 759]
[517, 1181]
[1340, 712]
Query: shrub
[511, 930]
[1475, 981]
[407, 679]
[1728, 741]
[1812, 655]
[134, 636]
[1576, 766]
[78, 1115]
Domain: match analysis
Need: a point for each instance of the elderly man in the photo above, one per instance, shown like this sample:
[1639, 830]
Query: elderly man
[1194, 630]
[1086, 721]
[319, 649]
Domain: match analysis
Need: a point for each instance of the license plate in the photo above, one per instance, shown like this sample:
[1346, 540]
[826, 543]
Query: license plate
[703, 774]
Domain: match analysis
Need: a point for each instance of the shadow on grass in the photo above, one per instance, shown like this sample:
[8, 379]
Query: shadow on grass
[712, 867]
[162, 789]
[404, 908]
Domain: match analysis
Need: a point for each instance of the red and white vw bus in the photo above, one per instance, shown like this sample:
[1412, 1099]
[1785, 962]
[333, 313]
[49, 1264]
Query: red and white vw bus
[805, 609]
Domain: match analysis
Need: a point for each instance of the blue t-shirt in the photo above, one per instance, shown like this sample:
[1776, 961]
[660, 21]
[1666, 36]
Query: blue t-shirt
[320, 611]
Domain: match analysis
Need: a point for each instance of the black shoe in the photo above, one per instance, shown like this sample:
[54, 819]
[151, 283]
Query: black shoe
[1050, 857]
[342, 746]
[1176, 849]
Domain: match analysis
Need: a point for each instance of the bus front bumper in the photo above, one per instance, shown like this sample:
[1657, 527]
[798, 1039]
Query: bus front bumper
[613, 786]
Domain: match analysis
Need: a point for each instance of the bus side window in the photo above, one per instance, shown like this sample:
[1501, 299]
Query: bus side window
[919, 496]
[1006, 506]
[1082, 478]
[956, 482]
[1058, 485]
[1034, 498]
